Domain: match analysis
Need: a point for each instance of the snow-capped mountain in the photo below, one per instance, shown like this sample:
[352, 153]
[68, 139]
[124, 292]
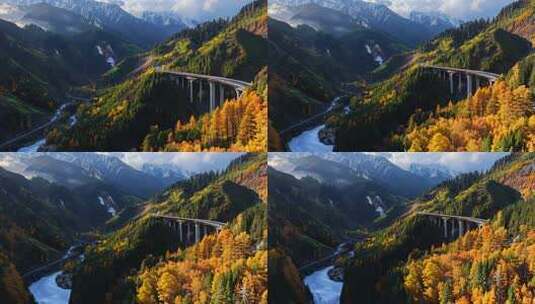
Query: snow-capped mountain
[108, 16]
[436, 21]
[81, 168]
[113, 170]
[169, 21]
[368, 166]
[416, 178]
[46, 17]
[371, 15]
[167, 173]
[436, 173]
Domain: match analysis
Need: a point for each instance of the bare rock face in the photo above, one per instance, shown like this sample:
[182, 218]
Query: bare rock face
[64, 280]
[336, 274]
[327, 136]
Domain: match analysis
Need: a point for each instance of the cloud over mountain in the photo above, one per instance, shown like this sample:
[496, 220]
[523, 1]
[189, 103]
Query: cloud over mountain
[459, 9]
[192, 9]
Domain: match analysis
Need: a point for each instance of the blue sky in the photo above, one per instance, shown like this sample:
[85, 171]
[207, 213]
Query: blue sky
[460, 9]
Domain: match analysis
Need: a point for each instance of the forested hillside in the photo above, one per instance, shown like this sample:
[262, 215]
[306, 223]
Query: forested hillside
[145, 110]
[41, 219]
[405, 260]
[307, 65]
[414, 110]
[238, 125]
[311, 216]
[38, 67]
[144, 261]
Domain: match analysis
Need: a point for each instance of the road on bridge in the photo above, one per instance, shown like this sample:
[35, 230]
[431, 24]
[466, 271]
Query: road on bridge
[490, 76]
[237, 84]
[200, 221]
[459, 217]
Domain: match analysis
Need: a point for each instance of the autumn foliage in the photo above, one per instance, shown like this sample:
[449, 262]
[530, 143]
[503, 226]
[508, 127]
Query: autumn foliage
[238, 125]
[496, 118]
[484, 266]
[222, 268]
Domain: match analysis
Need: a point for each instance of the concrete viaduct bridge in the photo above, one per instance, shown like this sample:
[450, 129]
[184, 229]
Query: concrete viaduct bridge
[190, 231]
[464, 76]
[218, 87]
[454, 223]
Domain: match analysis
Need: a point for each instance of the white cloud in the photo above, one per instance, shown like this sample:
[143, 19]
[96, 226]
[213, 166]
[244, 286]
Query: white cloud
[459, 9]
[200, 10]
[192, 162]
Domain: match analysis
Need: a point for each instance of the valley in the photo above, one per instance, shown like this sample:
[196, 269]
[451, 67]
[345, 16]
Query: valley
[164, 80]
[407, 91]
[359, 239]
[90, 230]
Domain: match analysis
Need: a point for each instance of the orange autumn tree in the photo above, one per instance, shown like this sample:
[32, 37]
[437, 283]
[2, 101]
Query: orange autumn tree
[484, 266]
[496, 118]
[237, 125]
[222, 268]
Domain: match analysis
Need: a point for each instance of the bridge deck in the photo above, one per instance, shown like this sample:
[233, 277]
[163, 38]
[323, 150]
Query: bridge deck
[488, 75]
[237, 84]
[200, 221]
[465, 218]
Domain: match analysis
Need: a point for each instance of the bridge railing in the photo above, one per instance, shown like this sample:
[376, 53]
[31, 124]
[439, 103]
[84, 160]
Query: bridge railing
[460, 217]
[235, 83]
[193, 220]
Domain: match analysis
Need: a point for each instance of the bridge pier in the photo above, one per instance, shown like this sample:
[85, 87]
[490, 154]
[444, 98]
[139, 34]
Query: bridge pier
[478, 83]
[190, 81]
[188, 236]
[221, 95]
[445, 220]
[180, 231]
[195, 230]
[200, 90]
[197, 233]
[212, 96]
[469, 85]
[461, 228]
[451, 82]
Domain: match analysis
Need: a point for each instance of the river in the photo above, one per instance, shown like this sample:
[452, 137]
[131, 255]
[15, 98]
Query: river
[323, 289]
[42, 141]
[309, 141]
[47, 291]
